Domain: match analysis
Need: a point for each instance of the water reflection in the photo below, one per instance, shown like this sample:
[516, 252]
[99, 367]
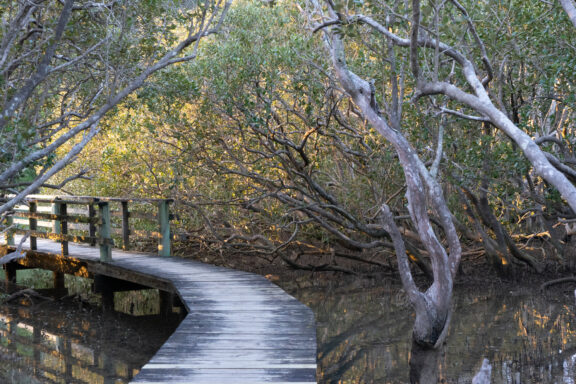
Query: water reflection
[424, 364]
[364, 336]
[71, 341]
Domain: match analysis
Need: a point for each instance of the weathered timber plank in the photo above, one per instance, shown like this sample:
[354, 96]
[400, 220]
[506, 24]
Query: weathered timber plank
[280, 325]
[239, 358]
[225, 376]
[233, 344]
[249, 338]
[192, 285]
[253, 331]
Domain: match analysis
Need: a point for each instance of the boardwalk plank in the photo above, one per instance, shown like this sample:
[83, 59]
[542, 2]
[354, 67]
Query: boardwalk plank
[225, 376]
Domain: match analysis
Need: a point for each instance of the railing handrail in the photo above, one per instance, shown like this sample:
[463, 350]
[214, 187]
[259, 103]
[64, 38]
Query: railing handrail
[69, 199]
[100, 228]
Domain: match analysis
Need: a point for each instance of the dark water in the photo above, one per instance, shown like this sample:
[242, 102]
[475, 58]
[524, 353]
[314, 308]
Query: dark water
[73, 341]
[364, 335]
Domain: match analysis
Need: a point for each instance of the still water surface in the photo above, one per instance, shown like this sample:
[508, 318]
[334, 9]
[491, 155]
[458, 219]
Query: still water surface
[363, 337]
[72, 341]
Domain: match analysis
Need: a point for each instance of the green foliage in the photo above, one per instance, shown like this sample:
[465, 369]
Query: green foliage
[102, 49]
[258, 115]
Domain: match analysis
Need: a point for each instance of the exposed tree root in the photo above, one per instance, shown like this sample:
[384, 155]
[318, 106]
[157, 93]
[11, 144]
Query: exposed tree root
[314, 268]
[28, 293]
[571, 279]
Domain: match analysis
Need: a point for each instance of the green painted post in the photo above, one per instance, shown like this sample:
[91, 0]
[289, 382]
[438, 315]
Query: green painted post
[164, 224]
[64, 227]
[125, 226]
[56, 223]
[33, 223]
[104, 235]
[92, 226]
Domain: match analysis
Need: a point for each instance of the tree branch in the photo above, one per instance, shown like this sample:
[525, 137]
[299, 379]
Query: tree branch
[16, 254]
[570, 9]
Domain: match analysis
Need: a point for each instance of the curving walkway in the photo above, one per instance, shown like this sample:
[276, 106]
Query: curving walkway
[240, 327]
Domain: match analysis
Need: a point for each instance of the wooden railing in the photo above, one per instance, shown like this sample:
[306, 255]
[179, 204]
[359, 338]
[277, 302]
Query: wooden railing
[92, 220]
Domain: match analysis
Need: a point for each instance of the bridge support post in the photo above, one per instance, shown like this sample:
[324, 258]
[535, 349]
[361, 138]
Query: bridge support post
[37, 337]
[10, 271]
[104, 286]
[166, 303]
[105, 232]
[59, 280]
[164, 224]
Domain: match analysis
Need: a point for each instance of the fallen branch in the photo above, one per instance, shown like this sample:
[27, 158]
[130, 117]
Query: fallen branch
[27, 293]
[474, 252]
[316, 268]
[12, 256]
[571, 279]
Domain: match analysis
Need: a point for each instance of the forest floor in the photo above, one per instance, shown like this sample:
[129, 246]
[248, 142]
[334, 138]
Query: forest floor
[475, 273]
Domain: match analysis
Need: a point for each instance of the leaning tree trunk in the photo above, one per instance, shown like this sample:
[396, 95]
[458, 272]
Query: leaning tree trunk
[433, 307]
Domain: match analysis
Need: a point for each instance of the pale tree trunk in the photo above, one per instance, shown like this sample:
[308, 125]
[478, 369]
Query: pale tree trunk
[482, 104]
[424, 364]
[432, 307]
[478, 99]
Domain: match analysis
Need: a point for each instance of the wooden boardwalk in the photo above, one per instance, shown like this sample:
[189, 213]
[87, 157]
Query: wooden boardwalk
[240, 327]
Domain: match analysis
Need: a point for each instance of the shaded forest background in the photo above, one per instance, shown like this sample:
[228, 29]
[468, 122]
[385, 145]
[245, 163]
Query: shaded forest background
[269, 160]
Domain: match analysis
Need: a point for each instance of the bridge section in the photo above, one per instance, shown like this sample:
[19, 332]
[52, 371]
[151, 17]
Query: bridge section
[240, 327]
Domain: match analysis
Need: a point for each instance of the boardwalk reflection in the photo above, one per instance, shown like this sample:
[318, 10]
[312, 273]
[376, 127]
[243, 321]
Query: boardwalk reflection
[52, 348]
[59, 358]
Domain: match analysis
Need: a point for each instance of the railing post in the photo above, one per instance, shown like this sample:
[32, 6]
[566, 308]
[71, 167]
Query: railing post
[125, 226]
[33, 223]
[64, 227]
[56, 223]
[105, 231]
[91, 225]
[164, 224]
[9, 233]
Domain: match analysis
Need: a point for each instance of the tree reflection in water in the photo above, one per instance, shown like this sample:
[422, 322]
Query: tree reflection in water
[424, 364]
[364, 337]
